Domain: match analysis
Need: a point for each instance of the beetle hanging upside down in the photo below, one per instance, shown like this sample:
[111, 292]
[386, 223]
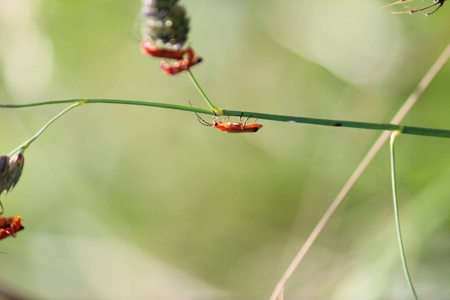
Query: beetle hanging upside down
[240, 127]
[229, 127]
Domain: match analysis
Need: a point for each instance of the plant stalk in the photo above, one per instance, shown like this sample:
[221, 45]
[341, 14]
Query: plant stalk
[397, 215]
[431, 132]
[217, 111]
[27, 143]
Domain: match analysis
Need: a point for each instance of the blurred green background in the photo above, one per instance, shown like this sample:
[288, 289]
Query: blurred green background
[124, 202]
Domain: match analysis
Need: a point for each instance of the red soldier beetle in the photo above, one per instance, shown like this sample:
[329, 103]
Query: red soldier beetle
[151, 49]
[236, 127]
[179, 65]
[229, 127]
[10, 226]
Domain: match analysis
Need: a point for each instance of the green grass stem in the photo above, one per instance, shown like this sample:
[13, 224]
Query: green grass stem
[217, 111]
[27, 143]
[397, 215]
[431, 132]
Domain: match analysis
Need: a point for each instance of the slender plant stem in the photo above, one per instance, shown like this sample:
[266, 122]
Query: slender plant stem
[341, 123]
[409, 103]
[112, 101]
[432, 132]
[27, 143]
[397, 215]
[216, 110]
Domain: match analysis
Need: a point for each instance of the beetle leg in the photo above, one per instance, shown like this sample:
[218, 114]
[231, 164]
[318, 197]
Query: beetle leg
[245, 122]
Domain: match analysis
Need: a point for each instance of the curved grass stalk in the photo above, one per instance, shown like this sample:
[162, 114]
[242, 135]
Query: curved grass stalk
[27, 143]
[432, 132]
[397, 215]
[409, 103]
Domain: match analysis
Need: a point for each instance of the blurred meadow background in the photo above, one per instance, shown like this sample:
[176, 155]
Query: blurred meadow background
[127, 202]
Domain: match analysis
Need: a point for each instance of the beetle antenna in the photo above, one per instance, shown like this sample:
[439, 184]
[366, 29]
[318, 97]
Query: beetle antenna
[200, 119]
[436, 2]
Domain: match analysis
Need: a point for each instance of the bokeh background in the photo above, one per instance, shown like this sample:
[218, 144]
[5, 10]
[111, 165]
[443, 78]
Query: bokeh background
[126, 202]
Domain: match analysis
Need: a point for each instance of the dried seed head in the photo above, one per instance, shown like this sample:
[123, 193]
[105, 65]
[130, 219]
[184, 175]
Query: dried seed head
[10, 171]
[164, 22]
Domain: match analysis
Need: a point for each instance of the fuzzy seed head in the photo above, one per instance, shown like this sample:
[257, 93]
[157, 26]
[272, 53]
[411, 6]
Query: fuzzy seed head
[10, 170]
[164, 21]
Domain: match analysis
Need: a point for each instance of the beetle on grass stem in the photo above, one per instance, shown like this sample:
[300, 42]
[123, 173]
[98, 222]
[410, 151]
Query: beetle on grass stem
[229, 127]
